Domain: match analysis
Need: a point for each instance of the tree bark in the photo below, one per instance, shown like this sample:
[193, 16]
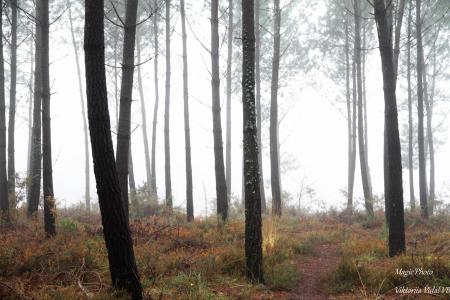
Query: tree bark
[155, 108]
[412, 198]
[420, 94]
[126, 93]
[274, 153]
[35, 160]
[30, 112]
[144, 118]
[398, 30]
[116, 76]
[187, 131]
[350, 132]
[122, 265]
[258, 102]
[47, 163]
[132, 183]
[12, 107]
[228, 129]
[221, 184]
[253, 233]
[168, 179]
[430, 136]
[365, 116]
[368, 198]
[393, 165]
[87, 193]
[4, 204]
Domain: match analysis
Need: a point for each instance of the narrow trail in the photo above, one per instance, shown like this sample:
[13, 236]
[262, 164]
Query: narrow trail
[313, 272]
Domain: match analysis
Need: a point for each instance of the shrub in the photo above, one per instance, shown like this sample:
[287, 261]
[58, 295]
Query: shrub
[283, 276]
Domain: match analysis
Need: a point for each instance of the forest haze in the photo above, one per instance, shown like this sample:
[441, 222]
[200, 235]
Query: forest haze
[261, 149]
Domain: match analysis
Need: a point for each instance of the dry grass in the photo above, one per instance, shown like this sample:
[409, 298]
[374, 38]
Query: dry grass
[178, 260]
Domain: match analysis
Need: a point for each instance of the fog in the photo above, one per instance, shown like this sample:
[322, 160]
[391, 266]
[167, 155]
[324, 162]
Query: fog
[313, 131]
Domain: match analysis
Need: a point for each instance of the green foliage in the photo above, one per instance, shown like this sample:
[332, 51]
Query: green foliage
[68, 226]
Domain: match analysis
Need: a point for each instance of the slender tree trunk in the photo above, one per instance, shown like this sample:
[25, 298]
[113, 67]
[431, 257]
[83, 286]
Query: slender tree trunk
[47, 168]
[116, 76]
[393, 165]
[187, 131]
[354, 126]
[430, 136]
[253, 234]
[126, 93]
[155, 108]
[398, 30]
[167, 112]
[366, 127]
[12, 107]
[243, 179]
[144, 118]
[35, 160]
[351, 164]
[4, 205]
[274, 154]
[132, 182]
[87, 193]
[258, 102]
[221, 184]
[30, 112]
[122, 264]
[412, 198]
[228, 133]
[362, 154]
[420, 93]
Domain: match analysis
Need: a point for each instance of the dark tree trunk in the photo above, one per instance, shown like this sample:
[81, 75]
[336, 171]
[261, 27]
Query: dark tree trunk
[362, 154]
[87, 193]
[12, 107]
[132, 182]
[187, 131]
[412, 198]
[116, 75]
[221, 185]
[4, 204]
[393, 165]
[47, 164]
[274, 154]
[167, 112]
[35, 160]
[228, 133]
[398, 30]
[144, 118]
[421, 141]
[350, 132]
[122, 265]
[126, 93]
[253, 234]
[155, 108]
[30, 112]
[258, 102]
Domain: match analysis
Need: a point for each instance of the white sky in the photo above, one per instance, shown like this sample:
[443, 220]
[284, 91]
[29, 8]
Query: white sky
[315, 128]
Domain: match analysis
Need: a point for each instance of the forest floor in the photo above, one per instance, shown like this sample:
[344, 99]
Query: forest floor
[319, 256]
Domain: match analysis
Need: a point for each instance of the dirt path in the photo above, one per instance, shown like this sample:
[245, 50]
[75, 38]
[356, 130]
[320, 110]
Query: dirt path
[313, 271]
